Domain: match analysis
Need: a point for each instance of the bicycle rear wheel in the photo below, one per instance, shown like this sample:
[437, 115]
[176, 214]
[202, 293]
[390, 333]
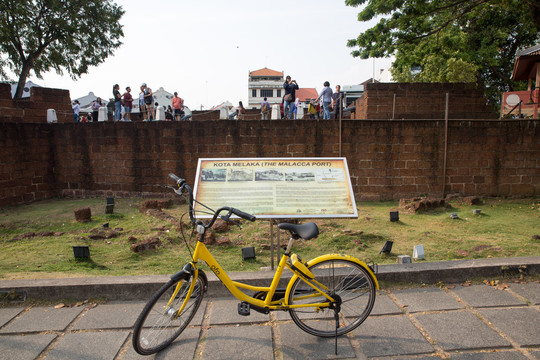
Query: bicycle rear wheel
[355, 291]
[158, 324]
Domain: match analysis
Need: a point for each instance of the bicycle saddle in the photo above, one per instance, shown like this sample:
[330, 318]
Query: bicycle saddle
[305, 231]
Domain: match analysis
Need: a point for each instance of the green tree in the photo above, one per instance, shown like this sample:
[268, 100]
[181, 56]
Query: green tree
[64, 35]
[449, 40]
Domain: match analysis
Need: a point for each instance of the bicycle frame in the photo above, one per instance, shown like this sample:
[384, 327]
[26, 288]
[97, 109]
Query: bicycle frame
[202, 253]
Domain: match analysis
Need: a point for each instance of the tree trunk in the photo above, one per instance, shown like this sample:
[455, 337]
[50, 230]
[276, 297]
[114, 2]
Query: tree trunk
[22, 79]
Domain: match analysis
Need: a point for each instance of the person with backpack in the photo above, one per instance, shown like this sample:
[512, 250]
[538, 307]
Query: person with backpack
[265, 109]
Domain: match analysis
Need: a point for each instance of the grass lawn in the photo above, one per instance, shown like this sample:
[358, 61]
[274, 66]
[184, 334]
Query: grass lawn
[505, 228]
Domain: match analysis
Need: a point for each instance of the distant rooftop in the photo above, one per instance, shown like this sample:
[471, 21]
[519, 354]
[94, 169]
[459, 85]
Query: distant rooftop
[535, 50]
[526, 63]
[265, 72]
[306, 93]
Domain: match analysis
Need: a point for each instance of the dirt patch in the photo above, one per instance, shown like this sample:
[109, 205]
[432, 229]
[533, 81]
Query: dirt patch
[155, 204]
[414, 205]
[220, 226]
[150, 243]
[480, 248]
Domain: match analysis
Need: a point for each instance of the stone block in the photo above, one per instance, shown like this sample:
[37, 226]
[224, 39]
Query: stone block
[83, 214]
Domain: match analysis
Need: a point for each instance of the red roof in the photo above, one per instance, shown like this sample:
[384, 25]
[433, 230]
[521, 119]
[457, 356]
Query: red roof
[266, 72]
[306, 93]
[526, 63]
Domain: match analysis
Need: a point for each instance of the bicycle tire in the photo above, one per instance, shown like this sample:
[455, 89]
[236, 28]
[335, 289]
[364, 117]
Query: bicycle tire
[157, 327]
[345, 278]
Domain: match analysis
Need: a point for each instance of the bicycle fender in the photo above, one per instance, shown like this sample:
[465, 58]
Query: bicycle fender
[332, 257]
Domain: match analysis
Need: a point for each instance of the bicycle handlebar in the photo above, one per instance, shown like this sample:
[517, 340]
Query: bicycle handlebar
[243, 215]
[182, 184]
[177, 180]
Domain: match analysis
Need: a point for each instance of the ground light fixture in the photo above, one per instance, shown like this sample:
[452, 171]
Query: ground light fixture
[81, 252]
[387, 247]
[109, 208]
[248, 253]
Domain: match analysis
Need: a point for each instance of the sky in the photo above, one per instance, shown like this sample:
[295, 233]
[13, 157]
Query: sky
[205, 49]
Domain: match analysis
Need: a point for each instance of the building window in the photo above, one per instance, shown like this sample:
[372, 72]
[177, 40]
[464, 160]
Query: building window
[267, 93]
[279, 93]
[254, 93]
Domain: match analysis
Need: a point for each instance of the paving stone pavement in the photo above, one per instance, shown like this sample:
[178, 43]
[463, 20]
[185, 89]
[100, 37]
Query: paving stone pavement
[455, 322]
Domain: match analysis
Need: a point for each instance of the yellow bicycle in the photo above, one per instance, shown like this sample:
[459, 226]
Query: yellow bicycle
[327, 296]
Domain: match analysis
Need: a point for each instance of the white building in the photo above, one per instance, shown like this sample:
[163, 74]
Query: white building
[163, 97]
[26, 90]
[264, 83]
[87, 100]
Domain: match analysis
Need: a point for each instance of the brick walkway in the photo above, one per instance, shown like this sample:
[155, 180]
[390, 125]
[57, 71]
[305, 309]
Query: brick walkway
[461, 322]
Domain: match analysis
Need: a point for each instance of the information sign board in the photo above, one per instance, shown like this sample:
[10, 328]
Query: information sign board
[275, 188]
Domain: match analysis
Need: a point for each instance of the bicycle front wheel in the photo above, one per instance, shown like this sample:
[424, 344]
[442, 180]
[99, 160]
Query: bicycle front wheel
[349, 283]
[158, 324]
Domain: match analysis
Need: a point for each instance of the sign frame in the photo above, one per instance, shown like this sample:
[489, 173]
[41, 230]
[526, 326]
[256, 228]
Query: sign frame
[267, 173]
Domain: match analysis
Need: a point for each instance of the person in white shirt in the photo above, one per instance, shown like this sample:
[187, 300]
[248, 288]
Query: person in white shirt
[76, 108]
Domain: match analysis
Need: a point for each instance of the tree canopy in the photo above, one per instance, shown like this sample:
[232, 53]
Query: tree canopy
[64, 35]
[449, 40]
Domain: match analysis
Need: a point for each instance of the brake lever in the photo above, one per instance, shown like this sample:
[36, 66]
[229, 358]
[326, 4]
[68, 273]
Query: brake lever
[178, 191]
[227, 218]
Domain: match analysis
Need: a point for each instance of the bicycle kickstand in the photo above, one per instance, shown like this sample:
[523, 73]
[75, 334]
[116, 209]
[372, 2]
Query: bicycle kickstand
[336, 316]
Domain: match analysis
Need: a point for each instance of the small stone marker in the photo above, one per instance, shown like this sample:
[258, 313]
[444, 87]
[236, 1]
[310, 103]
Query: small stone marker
[83, 214]
[476, 211]
[418, 252]
[453, 216]
[404, 259]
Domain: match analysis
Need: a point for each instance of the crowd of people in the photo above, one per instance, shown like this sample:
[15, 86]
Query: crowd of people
[326, 102]
[289, 105]
[147, 106]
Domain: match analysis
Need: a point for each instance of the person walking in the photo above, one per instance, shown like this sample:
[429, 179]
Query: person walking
[290, 87]
[128, 104]
[177, 106]
[95, 109]
[117, 102]
[326, 96]
[337, 102]
[265, 109]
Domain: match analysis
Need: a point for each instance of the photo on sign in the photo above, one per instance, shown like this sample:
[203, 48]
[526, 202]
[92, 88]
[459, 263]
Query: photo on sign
[214, 175]
[268, 175]
[240, 175]
[299, 175]
[330, 175]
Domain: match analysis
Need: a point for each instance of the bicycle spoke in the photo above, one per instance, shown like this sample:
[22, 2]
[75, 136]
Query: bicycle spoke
[349, 283]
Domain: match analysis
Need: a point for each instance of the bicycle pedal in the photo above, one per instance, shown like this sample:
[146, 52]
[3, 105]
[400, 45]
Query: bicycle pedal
[244, 309]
